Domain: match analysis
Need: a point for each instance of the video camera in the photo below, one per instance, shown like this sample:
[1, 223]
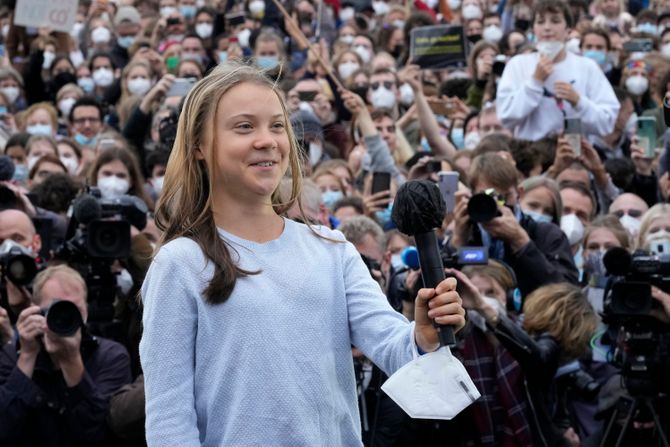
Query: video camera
[104, 226]
[641, 341]
[98, 235]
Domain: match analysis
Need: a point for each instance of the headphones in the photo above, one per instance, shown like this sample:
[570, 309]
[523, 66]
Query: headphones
[513, 296]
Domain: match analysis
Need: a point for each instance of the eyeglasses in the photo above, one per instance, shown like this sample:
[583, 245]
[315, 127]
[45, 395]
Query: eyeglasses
[387, 84]
[83, 120]
[632, 213]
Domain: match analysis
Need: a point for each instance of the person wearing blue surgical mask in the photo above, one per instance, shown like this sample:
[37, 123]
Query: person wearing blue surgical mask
[41, 119]
[540, 199]
[226, 48]
[331, 187]
[188, 9]
[86, 122]
[595, 45]
[268, 51]
[127, 26]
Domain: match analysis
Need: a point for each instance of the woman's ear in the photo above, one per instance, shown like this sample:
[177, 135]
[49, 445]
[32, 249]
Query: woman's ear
[199, 153]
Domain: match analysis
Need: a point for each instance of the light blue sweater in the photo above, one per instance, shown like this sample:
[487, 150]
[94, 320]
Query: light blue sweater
[271, 366]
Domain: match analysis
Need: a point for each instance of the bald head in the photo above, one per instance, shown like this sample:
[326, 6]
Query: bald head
[630, 204]
[17, 226]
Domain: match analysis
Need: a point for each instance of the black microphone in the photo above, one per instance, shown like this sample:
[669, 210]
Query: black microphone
[418, 209]
[6, 169]
[617, 261]
[86, 209]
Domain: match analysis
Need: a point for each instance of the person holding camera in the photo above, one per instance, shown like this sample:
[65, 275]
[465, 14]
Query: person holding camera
[557, 325]
[538, 252]
[55, 388]
[16, 228]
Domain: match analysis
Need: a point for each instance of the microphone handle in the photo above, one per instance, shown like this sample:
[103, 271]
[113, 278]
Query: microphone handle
[432, 273]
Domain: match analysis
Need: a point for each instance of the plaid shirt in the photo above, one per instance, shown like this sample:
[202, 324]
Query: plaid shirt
[500, 415]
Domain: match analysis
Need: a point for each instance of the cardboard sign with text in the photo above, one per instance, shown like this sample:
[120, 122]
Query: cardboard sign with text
[438, 46]
[58, 15]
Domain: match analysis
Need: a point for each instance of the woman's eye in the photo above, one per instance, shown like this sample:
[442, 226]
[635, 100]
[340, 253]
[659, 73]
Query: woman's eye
[278, 125]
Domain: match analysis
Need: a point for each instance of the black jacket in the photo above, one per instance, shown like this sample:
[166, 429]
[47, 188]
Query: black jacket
[43, 411]
[545, 259]
[539, 359]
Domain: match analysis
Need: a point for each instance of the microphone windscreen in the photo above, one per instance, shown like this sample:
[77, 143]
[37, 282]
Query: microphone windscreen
[617, 261]
[87, 209]
[6, 169]
[418, 207]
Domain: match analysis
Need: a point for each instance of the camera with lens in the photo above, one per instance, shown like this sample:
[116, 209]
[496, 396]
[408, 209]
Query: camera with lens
[640, 342]
[98, 235]
[17, 263]
[483, 207]
[63, 318]
[104, 226]
[628, 293]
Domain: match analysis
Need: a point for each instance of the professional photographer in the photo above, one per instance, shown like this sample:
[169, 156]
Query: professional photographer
[558, 323]
[538, 252]
[17, 238]
[54, 389]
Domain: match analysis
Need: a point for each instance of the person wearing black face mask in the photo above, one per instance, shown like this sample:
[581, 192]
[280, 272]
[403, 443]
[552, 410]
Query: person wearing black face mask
[61, 72]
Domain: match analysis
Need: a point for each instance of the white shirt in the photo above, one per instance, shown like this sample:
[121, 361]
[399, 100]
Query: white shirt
[528, 107]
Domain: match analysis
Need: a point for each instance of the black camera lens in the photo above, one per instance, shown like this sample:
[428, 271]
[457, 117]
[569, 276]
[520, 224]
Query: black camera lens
[63, 318]
[482, 208]
[21, 269]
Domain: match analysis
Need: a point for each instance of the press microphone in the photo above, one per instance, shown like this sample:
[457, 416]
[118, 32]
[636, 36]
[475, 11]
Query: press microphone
[86, 209]
[418, 209]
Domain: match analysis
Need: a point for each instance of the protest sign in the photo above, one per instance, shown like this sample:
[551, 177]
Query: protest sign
[57, 15]
[438, 46]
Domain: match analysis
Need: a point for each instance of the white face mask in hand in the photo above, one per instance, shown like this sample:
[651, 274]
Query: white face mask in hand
[550, 49]
[433, 386]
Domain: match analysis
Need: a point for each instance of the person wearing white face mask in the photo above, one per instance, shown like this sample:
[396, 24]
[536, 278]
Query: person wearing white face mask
[347, 62]
[538, 252]
[136, 79]
[11, 85]
[537, 90]
[383, 92]
[101, 36]
[116, 173]
[471, 11]
[579, 207]
[636, 75]
[654, 235]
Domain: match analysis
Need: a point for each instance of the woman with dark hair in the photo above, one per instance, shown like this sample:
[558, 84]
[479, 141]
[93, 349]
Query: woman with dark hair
[116, 172]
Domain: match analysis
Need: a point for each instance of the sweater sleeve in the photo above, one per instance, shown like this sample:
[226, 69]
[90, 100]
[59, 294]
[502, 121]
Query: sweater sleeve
[382, 334]
[518, 94]
[380, 158]
[167, 349]
[599, 110]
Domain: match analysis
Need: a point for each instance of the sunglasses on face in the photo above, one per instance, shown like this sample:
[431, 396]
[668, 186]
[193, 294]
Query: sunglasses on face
[387, 84]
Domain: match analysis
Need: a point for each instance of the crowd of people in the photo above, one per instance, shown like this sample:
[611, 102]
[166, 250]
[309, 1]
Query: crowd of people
[101, 113]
